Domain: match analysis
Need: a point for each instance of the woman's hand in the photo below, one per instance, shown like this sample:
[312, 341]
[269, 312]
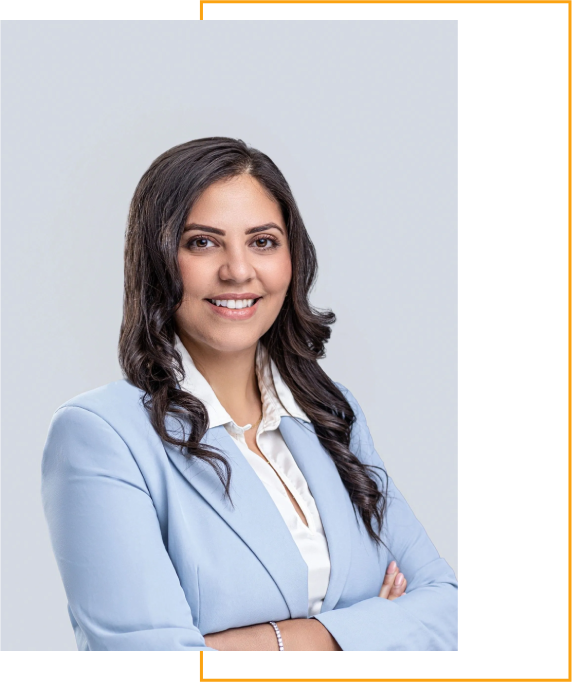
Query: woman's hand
[393, 584]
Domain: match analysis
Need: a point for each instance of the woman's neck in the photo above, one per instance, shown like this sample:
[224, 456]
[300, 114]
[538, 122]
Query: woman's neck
[232, 376]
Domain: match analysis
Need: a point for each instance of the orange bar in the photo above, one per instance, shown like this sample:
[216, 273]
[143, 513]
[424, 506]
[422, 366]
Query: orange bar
[249, 666]
[364, 9]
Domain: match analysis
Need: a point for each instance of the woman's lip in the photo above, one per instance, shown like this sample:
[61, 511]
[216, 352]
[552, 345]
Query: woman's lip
[233, 313]
[235, 297]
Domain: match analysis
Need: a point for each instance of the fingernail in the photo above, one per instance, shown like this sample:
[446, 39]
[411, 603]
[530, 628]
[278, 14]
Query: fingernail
[399, 579]
[391, 567]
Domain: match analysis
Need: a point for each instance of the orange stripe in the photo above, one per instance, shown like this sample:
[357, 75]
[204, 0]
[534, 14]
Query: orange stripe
[370, 9]
[569, 339]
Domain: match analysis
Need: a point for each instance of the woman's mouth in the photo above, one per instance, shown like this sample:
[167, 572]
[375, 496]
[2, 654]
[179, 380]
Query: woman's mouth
[234, 309]
[235, 304]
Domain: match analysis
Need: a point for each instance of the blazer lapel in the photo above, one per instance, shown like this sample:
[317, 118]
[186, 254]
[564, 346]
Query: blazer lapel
[331, 497]
[255, 517]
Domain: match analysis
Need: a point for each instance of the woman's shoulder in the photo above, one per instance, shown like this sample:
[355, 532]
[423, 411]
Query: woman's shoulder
[349, 396]
[104, 432]
[117, 395]
[361, 439]
[108, 425]
[117, 403]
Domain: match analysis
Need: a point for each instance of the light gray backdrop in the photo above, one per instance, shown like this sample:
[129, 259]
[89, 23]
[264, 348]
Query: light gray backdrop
[361, 117]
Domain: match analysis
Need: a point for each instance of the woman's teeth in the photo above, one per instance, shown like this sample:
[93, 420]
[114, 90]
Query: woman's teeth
[242, 303]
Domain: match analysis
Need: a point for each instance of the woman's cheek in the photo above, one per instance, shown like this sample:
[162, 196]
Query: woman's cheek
[280, 273]
[191, 274]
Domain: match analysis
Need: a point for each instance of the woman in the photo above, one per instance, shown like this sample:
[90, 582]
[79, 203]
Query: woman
[227, 494]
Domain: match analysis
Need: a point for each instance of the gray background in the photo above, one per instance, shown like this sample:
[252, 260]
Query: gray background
[361, 117]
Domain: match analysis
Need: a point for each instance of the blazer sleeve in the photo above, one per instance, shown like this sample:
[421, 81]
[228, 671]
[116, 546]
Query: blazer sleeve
[423, 619]
[122, 588]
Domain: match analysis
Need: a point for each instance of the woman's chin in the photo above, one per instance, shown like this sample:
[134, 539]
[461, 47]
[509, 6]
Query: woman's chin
[226, 341]
[240, 345]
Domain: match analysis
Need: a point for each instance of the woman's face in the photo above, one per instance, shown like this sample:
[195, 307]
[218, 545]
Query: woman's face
[234, 250]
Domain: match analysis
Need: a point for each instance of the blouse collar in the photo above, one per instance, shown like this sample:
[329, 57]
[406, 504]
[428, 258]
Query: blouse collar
[273, 402]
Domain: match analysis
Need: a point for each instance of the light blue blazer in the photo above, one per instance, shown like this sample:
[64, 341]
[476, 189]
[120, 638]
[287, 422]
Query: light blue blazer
[153, 557]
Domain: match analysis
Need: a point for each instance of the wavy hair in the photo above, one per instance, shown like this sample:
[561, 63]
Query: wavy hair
[296, 340]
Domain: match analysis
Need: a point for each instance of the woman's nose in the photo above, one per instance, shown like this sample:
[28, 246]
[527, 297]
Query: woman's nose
[236, 266]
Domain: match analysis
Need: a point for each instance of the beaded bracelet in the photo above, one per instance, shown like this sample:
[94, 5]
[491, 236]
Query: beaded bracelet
[278, 635]
[281, 643]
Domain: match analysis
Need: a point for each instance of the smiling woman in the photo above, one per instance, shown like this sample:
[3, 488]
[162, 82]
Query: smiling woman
[221, 251]
[227, 495]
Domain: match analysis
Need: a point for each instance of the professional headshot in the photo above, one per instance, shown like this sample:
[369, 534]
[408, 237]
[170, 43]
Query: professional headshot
[285, 327]
[223, 394]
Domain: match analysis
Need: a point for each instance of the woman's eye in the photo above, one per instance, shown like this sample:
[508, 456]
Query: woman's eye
[199, 243]
[265, 243]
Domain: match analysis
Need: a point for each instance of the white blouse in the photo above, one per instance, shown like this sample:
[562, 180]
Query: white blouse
[282, 470]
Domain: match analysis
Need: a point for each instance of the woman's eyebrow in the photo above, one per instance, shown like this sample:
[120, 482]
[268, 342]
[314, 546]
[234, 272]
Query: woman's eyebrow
[216, 230]
[261, 228]
[204, 228]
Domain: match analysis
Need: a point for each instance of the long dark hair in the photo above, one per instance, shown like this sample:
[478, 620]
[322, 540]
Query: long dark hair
[296, 340]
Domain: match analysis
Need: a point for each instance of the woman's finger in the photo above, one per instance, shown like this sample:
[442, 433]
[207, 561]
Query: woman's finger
[391, 573]
[398, 587]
